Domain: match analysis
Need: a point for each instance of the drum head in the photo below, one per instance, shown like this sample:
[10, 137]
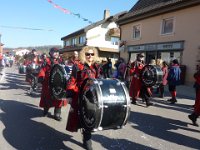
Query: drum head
[88, 105]
[57, 82]
[151, 75]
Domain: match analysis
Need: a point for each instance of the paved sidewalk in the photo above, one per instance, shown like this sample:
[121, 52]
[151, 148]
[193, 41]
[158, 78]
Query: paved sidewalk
[186, 91]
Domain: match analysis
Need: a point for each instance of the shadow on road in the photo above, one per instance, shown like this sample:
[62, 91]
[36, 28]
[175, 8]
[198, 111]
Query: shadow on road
[14, 81]
[177, 106]
[118, 144]
[164, 128]
[23, 133]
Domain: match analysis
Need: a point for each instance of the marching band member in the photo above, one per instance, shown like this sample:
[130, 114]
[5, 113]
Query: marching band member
[196, 112]
[81, 71]
[138, 88]
[136, 83]
[46, 100]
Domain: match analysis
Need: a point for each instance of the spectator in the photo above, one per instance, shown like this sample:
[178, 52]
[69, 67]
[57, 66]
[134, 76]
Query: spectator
[174, 80]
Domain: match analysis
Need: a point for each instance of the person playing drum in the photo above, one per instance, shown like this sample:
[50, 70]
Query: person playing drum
[136, 83]
[46, 100]
[86, 68]
[137, 87]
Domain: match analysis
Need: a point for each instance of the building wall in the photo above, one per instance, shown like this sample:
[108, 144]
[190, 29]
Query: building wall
[97, 36]
[187, 28]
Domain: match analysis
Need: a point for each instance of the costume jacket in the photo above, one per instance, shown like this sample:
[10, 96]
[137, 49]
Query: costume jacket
[80, 72]
[197, 86]
[174, 75]
[165, 74]
[46, 100]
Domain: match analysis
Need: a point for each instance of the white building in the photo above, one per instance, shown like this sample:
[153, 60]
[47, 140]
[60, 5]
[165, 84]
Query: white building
[104, 35]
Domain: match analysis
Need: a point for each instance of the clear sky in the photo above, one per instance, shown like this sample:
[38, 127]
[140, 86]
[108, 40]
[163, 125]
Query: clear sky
[53, 22]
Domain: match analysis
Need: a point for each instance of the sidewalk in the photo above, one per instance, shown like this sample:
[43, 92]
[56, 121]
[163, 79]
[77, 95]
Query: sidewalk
[186, 91]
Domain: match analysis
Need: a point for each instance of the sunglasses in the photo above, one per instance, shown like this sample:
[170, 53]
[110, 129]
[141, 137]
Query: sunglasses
[89, 54]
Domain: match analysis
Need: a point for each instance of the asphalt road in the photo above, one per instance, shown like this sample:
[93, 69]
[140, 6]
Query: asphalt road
[163, 126]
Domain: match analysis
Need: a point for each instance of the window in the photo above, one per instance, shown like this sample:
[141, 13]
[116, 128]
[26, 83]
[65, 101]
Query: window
[167, 26]
[115, 40]
[74, 41]
[67, 43]
[82, 39]
[136, 32]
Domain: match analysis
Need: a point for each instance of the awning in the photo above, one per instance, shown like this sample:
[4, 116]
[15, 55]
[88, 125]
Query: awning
[108, 49]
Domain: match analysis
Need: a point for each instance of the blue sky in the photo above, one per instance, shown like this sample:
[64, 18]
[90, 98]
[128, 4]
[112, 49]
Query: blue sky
[40, 14]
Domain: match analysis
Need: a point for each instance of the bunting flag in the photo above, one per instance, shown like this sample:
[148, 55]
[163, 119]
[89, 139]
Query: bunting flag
[25, 28]
[68, 12]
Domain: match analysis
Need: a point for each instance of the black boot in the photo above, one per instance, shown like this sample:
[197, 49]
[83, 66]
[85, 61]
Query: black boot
[148, 103]
[57, 113]
[161, 91]
[87, 142]
[173, 101]
[193, 117]
[45, 112]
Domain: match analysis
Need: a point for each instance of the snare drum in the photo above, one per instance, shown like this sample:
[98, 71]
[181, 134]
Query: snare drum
[152, 75]
[58, 81]
[104, 104]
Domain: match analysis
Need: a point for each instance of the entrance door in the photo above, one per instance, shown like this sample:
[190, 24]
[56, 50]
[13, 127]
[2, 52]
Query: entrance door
[150, 56]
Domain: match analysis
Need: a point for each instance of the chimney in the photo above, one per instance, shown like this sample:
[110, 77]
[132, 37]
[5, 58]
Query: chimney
[106, 14]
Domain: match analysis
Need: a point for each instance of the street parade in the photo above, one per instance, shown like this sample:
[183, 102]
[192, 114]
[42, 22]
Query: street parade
[140, 92]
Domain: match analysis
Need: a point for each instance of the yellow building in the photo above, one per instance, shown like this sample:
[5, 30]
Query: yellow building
[163, 29]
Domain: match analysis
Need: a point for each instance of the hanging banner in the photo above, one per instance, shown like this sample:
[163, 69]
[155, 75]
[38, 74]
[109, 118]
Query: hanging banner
[68, 12]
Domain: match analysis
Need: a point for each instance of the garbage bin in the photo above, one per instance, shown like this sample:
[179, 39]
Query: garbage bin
[183, 73]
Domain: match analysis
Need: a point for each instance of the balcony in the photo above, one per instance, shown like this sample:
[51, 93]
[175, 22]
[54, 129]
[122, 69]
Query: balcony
[114, 32]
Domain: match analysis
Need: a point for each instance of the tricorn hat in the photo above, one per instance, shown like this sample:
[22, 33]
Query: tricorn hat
[140, 55]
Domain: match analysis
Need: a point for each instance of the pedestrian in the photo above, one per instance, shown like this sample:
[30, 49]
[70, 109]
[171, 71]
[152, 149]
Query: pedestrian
[127, 77]
[46, 100]
[121, 69]
[196, 113]
[86, 68]
[109, 67]
[174, 79]
[164, 79]
[75, 58]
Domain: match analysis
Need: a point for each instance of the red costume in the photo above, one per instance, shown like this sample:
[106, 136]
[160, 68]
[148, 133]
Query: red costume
[196, 112]
[46, 100]
[80, 72]
[197, 101]
[136, 84]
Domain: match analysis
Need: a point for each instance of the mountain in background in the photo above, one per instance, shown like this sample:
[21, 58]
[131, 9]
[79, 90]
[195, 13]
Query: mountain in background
[45, 47]
[42, 49]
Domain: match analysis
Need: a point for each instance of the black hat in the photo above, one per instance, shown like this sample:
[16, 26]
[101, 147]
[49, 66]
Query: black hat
[33, 50]
[140, 55]
[54, 49]
[175, 61]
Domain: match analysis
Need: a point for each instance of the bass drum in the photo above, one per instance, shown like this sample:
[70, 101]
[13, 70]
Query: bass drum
[104, 104]
[58, 81]
[152, 75]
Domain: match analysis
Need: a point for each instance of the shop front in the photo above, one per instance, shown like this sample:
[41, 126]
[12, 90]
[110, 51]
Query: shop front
[166, 51]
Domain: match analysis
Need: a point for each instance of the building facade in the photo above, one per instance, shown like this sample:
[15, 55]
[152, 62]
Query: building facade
[163, 29]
